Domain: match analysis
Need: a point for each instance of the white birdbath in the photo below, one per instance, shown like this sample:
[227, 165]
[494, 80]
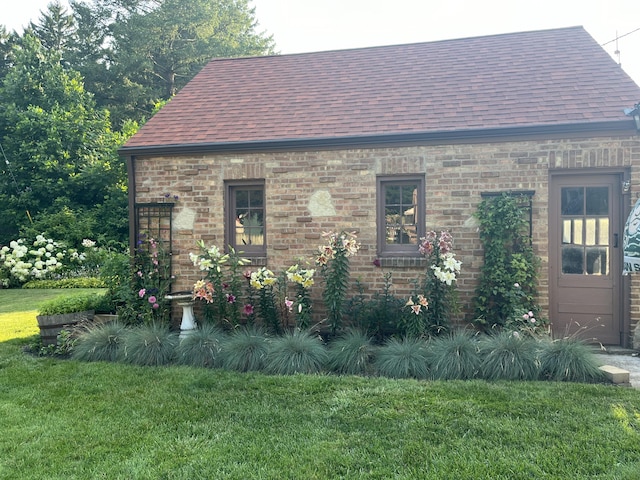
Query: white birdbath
[185, 300]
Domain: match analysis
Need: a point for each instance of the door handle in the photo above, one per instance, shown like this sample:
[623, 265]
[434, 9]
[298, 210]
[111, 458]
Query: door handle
[615, 240]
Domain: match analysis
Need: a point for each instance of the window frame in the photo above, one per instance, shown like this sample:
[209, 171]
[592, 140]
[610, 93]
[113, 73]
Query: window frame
[231, 186]
[399, 250]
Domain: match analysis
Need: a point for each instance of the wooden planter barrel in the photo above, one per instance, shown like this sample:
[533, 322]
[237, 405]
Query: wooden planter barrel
[50, 325]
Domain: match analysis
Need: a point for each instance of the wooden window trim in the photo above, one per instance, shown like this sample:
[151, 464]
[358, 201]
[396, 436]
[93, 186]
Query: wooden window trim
[385, 250]
[249, 251]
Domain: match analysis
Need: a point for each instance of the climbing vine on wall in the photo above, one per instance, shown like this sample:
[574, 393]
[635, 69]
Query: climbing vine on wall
[509, 276]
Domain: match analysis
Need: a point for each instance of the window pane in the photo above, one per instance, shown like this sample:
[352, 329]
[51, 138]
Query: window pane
[256, 198]
[597, 200]
[572, 261]
[242, 198]
[590, 231]
[597, 261]
[603, 231]
[572, 201]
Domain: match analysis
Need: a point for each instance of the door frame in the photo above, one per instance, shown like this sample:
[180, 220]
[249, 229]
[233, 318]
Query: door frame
[622, 291]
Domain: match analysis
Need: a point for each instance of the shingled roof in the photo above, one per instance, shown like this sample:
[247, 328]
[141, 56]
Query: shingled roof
[531, 79]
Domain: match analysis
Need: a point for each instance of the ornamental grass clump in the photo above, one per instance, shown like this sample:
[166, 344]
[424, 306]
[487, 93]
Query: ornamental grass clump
[296, 352]
[569, 360]
[403, 358]
[455, 356]
[351, 354]
[149, 345]
[201, 348]
[509, 356]
[100, 343]
[245, 350]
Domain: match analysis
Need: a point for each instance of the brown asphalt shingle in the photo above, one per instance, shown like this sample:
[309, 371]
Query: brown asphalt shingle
[548, 77]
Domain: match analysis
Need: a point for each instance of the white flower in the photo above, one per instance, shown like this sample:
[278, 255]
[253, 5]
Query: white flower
[88, 243]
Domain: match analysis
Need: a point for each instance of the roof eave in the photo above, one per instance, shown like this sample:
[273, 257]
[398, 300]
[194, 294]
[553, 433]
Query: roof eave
[619, 127]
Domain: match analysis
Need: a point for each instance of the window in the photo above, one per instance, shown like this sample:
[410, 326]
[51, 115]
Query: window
[401, 215]
[245, 215]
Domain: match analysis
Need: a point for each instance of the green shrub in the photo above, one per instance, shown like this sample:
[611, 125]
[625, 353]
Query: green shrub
[404, 358]
[245, 350]
[296, 352]
[351, 354]
[78, 282]
[455, 356]
[569, 360]
[149, 345]
[509, 356]
[377, 316]
[100, 343]
[201, 348]
[70, 304]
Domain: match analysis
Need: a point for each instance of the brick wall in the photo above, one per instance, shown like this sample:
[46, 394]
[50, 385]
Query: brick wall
[456, 175]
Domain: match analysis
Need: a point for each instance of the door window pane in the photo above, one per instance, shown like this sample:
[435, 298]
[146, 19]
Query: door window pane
[585, 230]
[572, 261]
[597, 200]
[572, 201]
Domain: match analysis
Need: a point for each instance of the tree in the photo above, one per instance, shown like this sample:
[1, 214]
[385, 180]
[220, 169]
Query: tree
[60, 150]
[55, 28]
[156, 46]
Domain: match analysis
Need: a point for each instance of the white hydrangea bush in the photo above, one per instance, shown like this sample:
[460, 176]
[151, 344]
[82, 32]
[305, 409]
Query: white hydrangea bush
[22, 261]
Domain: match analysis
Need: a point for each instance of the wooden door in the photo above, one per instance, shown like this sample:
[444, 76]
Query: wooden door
[585, 257]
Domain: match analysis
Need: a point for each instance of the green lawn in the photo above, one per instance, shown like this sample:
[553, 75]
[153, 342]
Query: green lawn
[62, 419]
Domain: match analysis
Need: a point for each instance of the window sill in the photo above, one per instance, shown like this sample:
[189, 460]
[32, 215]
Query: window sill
[256, 261]
[402, 262]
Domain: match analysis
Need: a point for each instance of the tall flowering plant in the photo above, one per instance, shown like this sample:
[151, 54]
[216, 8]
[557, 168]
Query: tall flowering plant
[333, 260]
[151, 283]
[428, 312]
[263, 283]
[221, 286]
[303, 280]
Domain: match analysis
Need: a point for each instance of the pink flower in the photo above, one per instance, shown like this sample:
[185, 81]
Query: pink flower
[288, 303]
[416, 309]
[532, 320]
[248, 309]
[152, 299]
[155, 305]
[231, 298]
[142, 292]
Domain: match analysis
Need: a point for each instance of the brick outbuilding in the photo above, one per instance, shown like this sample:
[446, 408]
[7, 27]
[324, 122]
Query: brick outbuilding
[267, 153]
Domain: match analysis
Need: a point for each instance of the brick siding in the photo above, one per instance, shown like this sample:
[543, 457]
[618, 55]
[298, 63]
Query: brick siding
[456, 175]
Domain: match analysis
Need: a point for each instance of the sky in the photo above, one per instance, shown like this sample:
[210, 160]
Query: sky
[317, 25]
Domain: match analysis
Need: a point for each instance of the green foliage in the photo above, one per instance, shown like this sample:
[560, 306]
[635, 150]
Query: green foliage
[377, 316]
[454, 356]
[334, 264]
[245, 350]
[62, 160]
[70, 304]
[100, 343]
[403, 358]
[64, 346]
[429, 310]
[509, 262]
[569, 360]
[351, 354]
[509, 356]
[136, 54]
[150, 282]
[201, 347]
[296, 352]
[77, 282]
[149, 345]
